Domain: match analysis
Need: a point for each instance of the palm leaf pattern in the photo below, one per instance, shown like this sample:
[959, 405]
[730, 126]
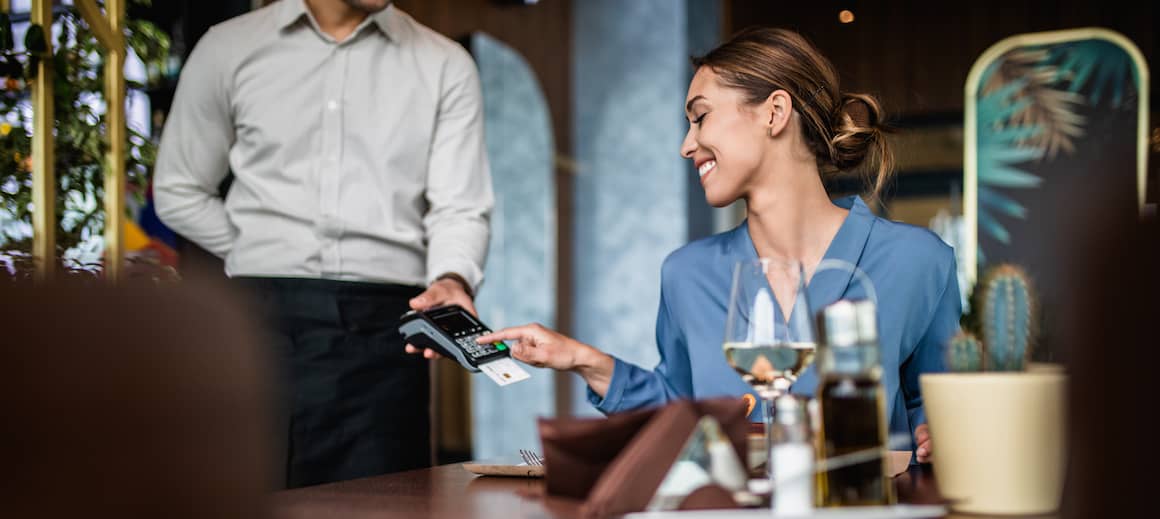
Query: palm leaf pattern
[1002, 148]
[1027, 111]
[1100, 66]
[1052, 107]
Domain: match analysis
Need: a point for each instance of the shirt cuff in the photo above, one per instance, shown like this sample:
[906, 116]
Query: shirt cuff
[611, 402]
[467, 270]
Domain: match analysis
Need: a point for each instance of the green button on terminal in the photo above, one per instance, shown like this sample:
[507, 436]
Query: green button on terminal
[500, 346]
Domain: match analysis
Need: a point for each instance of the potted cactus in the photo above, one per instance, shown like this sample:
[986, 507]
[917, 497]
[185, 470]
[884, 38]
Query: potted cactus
[996, 418]
[1005, 325]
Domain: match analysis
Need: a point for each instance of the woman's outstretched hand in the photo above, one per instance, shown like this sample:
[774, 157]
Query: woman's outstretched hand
[538, 346]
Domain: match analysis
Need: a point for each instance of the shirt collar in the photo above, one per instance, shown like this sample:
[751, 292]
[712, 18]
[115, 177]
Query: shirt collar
[387, 20]
[291, 12]
[830, 285]
[847, 245]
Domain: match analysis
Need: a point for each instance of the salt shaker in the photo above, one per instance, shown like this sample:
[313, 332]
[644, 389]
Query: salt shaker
[791, 457]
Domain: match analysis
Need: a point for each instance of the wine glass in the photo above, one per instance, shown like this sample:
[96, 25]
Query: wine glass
[769, 329]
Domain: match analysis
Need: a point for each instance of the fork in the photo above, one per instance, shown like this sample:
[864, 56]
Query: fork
[531, 458]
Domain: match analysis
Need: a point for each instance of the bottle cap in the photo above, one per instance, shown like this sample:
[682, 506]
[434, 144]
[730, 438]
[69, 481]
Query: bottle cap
[867, 321]
[838, 324]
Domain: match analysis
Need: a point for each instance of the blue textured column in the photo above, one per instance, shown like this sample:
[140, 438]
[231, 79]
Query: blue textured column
[630, 75]
[520, 278]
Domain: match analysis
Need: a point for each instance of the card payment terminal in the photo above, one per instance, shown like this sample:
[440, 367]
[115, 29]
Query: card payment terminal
[451, 330]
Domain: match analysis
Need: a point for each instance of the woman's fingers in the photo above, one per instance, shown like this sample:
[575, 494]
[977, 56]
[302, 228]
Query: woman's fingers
[515, 333]
[535, 356]
[521, 337]
[922, 454]
[520, 350]
[922, 438]
[531, 344]
[536, 345]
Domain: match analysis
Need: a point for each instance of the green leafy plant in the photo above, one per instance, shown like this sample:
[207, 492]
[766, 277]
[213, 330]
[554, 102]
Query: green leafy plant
[20, 267]
[80, 143]
[1005, 313]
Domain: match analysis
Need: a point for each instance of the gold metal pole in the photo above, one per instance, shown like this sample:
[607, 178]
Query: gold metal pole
[43, 154]
[102, 24]
[115, 172]
[108, 30]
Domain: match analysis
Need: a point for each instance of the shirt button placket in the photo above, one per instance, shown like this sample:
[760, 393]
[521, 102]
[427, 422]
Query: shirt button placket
[332, 138]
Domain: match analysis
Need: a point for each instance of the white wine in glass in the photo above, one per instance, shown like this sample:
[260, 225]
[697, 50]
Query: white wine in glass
[770, 368]
[769, 328]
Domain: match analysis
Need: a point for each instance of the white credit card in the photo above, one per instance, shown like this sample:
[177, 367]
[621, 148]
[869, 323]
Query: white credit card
[504, 371]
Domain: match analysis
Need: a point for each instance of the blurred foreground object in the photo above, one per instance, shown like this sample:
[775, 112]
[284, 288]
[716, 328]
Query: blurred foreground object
[1110, 327]
[150, 402]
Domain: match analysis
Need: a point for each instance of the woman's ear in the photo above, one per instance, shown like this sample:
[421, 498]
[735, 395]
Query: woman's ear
[777, 108]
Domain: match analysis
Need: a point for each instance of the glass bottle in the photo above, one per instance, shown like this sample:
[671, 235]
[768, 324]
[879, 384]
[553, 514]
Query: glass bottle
[853, 430]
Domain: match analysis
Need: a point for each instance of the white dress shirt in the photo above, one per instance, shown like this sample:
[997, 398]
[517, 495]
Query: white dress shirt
[358, 160]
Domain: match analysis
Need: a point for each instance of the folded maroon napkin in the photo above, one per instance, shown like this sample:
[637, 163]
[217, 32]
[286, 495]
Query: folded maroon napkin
[616, 464]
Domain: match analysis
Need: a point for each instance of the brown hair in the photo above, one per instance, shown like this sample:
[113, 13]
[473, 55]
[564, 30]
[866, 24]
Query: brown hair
[845, 131]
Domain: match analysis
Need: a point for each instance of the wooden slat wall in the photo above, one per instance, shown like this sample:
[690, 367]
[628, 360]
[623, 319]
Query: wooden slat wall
[916, 54]
[541, 33]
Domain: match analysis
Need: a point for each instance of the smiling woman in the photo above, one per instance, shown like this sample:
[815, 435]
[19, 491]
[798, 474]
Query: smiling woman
[841, 131]
[767, 119]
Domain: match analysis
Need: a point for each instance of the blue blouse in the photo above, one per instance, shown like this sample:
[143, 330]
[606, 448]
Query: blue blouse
[912, 270]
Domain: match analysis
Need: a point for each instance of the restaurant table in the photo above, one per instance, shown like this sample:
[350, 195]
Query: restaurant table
[450, 491]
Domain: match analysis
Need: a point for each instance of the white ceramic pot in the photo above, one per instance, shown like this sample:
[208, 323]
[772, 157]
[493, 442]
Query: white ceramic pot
[999, 439]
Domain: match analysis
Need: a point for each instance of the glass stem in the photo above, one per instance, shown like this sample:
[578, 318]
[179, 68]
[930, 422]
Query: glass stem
[767, 419]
